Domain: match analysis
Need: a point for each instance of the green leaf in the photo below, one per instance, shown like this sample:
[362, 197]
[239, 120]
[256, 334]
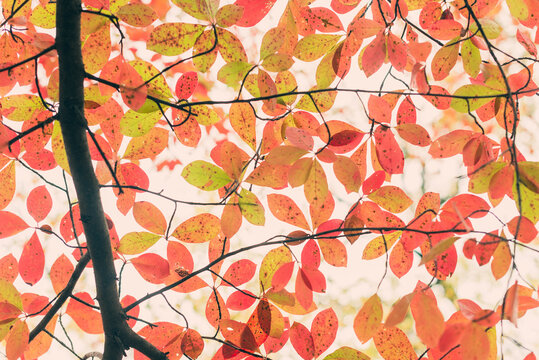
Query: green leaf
[205, 175]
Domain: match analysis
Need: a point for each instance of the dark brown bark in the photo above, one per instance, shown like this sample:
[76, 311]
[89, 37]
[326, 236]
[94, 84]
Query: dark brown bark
[118, 335]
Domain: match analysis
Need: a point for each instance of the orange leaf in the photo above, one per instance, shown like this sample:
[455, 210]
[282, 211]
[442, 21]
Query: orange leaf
[368, 319]
[316, 186]
[149, 217]
[17, 340]
[334, 251]
[198, 229]
[502, 260]
[266, 174]
[429, 321]
[9, 268]
[398, 311]
[397, 52]
[88, 319]
[445, 59]
[61, 271]
[391, 198]
[285, 209]
[7, 179]
[393, 344]
[10, 224]
[242, 120]
[238, 334]
[414, 134]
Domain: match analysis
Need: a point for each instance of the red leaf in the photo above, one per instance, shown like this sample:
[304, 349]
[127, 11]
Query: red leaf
[32, 261]
[374, 55]
[239, 301]
[239, 273]
[179, 257]
[324, 330]
[216, 309]
[388, 151]
[310, 255]
[373, 182]
[302, 341]
[467, 205]
[186, 85]
[345, 141]
[39, 203]
[397, 52]
[406, 114]
[192, 343]
[253, 11]
[133, 175]
[282, 276]
[152, 267]
[134, 312]
[8, 312]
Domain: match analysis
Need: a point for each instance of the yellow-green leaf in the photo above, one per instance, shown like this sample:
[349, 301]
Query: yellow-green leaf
[205, 175]
[173, 38]
[251, 208]
[314, 46]
[137, 242]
